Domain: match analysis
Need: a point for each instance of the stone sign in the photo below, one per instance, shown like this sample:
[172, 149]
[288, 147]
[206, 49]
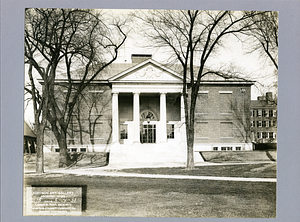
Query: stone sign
[49, 200]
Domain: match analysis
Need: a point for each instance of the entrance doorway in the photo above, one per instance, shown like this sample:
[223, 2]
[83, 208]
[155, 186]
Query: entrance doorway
[148, 134]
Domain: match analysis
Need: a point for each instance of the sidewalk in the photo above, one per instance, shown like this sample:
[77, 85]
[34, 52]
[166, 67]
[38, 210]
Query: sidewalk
[112, 171]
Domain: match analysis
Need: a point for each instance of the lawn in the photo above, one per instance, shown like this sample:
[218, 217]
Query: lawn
[146, 197]
[257, 170]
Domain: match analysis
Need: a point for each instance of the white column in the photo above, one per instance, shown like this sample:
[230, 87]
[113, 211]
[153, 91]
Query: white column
[136, 117]
[163, 118]
[115, 119]
[182, 110]
[182, 115]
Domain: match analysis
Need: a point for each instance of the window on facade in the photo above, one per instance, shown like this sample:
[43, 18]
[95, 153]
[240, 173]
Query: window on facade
[170, 131]
[73, 130]
[226, 148]
[202, 103]
[254, 112]
[71, 141]
[73, 149]
[226, 129]
[123, 131]
[271, 136]
[98, 133]
[274, 113]
[258, 124]
[252, 123]
[259, 112]
[201, 130]
[274, 122]
[264, 135]
[264, 113]
[82, 149]
[270, 113]
[258, 135]
[225, 100]
[215, 148]
[238, 148]
[264, 123]
[57, 150]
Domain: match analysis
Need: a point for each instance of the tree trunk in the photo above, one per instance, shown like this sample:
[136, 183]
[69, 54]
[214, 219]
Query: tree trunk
[64, 157]
[39, 153]
[190, 148]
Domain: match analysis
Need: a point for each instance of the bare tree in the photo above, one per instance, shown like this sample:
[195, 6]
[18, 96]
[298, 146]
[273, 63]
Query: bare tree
[265, 32]
[241, 118]
[60, 40]
[40, 104]
[192, 37]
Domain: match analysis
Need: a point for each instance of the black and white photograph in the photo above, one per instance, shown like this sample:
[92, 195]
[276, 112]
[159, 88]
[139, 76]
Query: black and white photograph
[150, 113]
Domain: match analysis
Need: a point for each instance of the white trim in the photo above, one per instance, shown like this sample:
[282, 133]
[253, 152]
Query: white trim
[150, 61]
[96, 91]
[225, 92]
[203, 92]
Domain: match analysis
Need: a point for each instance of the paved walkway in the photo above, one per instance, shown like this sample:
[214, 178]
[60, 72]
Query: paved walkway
[112, 171]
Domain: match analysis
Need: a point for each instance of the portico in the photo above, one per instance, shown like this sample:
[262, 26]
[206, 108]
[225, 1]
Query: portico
[144, 108]
[147, 114]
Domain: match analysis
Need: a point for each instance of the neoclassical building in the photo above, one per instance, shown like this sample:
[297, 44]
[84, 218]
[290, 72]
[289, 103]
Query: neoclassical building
[135, 111]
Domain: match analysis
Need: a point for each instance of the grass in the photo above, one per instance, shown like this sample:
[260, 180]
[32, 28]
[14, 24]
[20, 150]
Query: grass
[150, 197]
[146, 197]
[258, 170]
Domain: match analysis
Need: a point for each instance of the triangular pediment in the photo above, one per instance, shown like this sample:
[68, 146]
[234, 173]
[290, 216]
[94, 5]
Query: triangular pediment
[148, 71]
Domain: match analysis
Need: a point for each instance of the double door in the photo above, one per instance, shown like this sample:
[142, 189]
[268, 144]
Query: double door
[148, 133]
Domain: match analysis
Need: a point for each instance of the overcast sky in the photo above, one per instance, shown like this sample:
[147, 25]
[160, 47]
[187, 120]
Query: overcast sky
[234, 54]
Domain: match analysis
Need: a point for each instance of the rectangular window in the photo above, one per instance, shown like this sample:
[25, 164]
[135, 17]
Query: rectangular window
[258, 123]
[226, 148]
[215, 148]
[97, 132]
[170, 131]
[123, 131]
[259, 112]
[73, 149]
[274, 113]
[264, 135]
[264, 124]
[201, 130]
[252, 123]
[271, 136]
[238, 148]
[225, 100]
[264, 113]
[258, 135]
[274, 122]
[270, 113]
[254, 112]
[202, 103]
[83, 150]
[226, 130]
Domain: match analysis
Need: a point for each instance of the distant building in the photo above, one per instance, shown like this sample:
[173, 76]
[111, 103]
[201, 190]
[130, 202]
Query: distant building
[135, 111]
[264, 121]
[29, 139]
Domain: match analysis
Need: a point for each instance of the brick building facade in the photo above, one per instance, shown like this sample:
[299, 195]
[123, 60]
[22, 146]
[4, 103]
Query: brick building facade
[135, 112]
[264, 120]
